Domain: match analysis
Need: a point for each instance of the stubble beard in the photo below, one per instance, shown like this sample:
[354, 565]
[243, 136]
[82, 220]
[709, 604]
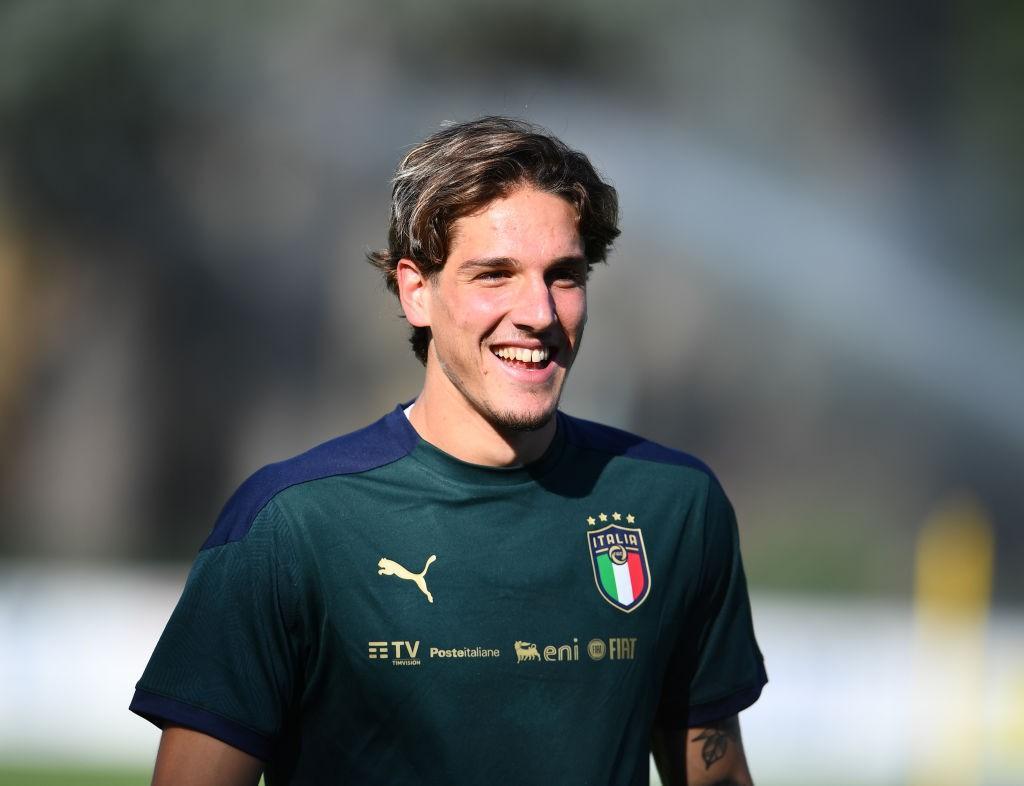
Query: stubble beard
[517, 422]
[508, 421]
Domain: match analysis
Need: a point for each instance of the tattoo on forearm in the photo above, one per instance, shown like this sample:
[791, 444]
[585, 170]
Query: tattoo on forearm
[716, 740]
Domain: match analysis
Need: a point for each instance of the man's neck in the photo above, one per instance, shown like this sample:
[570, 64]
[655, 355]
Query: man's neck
[445, 419]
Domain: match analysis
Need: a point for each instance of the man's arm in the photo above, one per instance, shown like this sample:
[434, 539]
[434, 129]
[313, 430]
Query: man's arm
[190, 758]
[709, 755]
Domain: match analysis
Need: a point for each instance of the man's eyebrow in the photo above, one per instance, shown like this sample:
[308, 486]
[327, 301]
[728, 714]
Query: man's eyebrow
[488, 262]
[578, 262]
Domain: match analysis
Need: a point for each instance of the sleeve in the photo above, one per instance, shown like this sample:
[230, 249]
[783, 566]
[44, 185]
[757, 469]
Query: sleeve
[719, 669]
[226, 663]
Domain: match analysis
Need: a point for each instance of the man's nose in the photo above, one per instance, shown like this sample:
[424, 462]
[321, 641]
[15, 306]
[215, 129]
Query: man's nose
[535, 306]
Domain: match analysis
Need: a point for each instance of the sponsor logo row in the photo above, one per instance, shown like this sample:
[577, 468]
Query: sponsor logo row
[408, 653]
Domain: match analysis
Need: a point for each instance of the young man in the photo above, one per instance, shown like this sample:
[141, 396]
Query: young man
[477, 588]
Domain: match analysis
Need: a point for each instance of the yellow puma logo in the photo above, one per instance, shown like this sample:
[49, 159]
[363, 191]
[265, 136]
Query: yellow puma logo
[388, 567]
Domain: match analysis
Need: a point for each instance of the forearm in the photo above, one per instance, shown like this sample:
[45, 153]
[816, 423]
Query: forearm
[709, 755]
[189, 758]
[715, 756]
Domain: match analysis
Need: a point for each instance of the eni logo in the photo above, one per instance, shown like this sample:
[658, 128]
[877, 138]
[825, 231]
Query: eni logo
[526, 651]
[389, 567]
[564, 652]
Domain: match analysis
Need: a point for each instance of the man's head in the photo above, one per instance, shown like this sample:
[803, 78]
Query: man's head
[461, 168]
[495, 226]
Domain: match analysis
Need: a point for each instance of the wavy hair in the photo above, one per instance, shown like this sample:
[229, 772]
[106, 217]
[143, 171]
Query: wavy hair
[461, 168]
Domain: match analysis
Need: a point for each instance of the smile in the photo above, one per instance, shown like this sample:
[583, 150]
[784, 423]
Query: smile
[523, 356]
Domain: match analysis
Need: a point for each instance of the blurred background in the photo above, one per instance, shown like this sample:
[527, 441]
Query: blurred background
[819, 289]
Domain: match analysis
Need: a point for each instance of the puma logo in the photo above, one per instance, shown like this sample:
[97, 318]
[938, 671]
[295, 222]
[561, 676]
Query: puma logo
[526, 651]
[388, 567]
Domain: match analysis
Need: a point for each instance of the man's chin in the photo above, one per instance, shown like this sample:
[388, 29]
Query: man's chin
[521, 422]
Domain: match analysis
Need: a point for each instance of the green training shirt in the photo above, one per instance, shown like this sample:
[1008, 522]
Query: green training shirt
[375, 611]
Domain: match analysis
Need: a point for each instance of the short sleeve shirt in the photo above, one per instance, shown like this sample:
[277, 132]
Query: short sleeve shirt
[376, 611]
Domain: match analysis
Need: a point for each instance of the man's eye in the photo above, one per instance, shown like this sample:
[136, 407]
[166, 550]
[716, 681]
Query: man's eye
[492, 275]
[570, 275]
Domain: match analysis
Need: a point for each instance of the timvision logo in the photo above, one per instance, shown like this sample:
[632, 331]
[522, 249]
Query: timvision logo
[400, 653]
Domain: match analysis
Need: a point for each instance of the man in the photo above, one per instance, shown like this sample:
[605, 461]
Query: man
[477, 588]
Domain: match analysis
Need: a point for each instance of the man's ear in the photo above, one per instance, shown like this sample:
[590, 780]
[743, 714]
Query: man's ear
[413, 292]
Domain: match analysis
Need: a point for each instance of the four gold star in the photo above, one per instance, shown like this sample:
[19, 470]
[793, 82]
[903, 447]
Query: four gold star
[616, 516]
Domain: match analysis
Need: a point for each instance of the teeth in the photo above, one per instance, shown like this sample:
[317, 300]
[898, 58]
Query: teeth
[522, 354]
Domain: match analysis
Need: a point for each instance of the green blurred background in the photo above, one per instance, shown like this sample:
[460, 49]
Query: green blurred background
[818, 290]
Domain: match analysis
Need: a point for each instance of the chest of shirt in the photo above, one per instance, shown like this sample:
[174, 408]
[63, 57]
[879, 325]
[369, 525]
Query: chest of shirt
[450, 580]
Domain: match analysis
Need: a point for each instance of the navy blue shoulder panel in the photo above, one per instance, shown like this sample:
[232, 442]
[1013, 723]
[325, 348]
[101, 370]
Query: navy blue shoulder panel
[588, 435]
[386, 441]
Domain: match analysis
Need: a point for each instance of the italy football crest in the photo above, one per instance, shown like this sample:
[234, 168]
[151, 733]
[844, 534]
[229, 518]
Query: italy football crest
[620, 566]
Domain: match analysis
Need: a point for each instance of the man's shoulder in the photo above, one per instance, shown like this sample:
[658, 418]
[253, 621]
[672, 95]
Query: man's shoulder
[588, 435]
[383, 442]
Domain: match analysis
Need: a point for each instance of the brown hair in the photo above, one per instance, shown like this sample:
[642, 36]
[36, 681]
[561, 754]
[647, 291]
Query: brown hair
[461, 168]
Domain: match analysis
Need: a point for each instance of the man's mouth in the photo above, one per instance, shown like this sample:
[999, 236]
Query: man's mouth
[525, 357]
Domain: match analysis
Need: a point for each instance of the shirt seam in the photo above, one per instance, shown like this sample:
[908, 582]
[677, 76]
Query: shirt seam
[756, 682]
[272, 499]
[140, 686]
[447, 480]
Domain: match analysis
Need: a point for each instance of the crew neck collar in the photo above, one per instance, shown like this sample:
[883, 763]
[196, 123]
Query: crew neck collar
[456, 469]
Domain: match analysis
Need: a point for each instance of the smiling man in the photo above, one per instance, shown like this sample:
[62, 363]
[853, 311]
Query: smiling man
[477, 588]
[506, 315]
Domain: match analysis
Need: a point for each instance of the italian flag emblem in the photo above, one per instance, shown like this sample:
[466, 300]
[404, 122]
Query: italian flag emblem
[620, 566]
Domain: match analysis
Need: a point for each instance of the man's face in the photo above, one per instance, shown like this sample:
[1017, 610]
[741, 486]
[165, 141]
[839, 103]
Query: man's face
[509, 306]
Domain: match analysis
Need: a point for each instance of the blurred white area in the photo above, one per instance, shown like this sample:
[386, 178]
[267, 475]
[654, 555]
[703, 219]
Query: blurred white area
[74, 642]
[848, 680]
